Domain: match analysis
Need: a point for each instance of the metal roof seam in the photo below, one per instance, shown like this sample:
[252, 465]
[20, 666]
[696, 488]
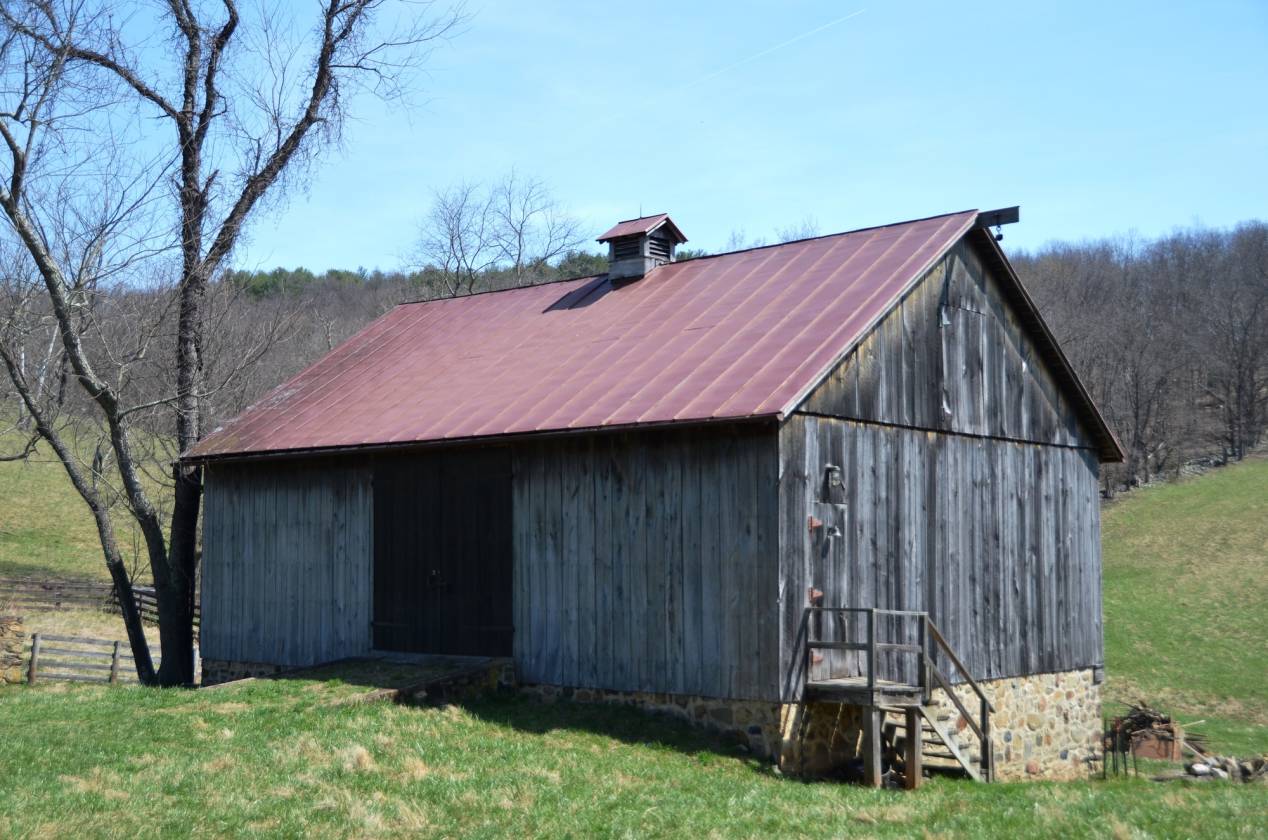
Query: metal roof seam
[811, 304]
[734, 336]
[790, 405]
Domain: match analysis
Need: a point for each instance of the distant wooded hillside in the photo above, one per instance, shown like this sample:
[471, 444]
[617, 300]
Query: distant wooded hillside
[1170, 335]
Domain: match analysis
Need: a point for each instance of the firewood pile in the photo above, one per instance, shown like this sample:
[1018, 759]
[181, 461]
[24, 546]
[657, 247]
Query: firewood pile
[1145, 732]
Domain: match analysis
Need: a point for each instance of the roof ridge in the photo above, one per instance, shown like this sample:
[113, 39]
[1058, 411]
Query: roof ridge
[692, 259]
[829, 235]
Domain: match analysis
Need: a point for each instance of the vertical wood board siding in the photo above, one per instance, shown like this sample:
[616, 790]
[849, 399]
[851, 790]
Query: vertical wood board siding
[952, 356]
[286, 571]
[647, 562]
[998, 541]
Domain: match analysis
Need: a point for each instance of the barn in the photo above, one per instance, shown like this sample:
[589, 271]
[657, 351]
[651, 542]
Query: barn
[836, 497]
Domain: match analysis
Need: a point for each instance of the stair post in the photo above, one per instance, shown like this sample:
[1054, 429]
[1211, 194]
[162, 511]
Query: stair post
[872, 746]
[914, 749]
[926, 688]
[988, 751]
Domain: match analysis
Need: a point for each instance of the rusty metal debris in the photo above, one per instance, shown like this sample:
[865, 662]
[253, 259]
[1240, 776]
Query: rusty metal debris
[1145, 732]
[1148, 733]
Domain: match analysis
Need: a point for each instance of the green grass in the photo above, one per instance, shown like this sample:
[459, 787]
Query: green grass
[274, 758]
[1186, 593]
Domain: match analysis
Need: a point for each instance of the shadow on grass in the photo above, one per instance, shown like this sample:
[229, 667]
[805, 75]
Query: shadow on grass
[631, 726]
[403, 673]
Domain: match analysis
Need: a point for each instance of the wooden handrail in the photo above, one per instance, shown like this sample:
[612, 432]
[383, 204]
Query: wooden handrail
[955, 660]
[964, 713]
[871, 650]
[930, 637]
[874, 610]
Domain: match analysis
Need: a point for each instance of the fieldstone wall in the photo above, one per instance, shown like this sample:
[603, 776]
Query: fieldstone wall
[216, 671]
[1045, 726]
[12, 647]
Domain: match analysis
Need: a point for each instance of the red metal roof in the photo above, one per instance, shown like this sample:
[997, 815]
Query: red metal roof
[644, 224]
[740, 335]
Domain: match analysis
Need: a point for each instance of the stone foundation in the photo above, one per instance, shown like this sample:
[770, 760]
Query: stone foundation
[1045, 726]
[216, 671]
[497, 675]
[12, 647]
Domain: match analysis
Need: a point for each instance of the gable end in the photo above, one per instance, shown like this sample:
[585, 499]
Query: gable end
[965, 351]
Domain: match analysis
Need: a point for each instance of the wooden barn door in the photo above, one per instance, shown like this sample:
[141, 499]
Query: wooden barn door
[442, 552]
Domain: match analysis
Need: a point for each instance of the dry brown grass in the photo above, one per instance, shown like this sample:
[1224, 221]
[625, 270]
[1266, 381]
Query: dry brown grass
[356, 757]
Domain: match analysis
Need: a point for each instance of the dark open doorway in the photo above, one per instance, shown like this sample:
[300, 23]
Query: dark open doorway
[442, 552]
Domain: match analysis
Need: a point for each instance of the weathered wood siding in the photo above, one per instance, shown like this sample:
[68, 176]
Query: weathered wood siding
[287, 561]
[648, 562]
[999, 541]
[952, 356]
[969, 488]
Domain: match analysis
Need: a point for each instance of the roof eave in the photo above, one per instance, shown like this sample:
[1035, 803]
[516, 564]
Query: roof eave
[206, 459]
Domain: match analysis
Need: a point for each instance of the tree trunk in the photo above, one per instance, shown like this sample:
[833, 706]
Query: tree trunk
[174, 586]
[132, 622]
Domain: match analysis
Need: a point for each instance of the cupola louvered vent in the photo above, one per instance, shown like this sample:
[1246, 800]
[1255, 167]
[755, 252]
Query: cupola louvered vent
[636, 246]
[623, 249]
[660, 248]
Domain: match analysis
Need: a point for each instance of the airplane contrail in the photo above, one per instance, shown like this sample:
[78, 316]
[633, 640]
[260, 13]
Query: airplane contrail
[770, 50]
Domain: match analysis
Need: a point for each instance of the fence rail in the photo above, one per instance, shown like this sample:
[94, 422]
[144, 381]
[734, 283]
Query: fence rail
[27, 593]
[147, 605]
[34, 594]
[79, 659]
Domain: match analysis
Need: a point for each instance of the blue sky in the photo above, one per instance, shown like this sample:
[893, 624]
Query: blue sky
[1097, 118]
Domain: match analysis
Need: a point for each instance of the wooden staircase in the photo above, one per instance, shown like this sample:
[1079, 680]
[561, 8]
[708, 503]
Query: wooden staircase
[923, 737]
[937, 744]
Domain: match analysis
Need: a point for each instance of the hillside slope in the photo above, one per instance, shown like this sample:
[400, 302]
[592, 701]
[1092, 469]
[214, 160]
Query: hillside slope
[46, 529]
[1186, 595]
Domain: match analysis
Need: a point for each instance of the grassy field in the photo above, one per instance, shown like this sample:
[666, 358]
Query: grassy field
[276, 758]
[46, 530]
[1186, 593]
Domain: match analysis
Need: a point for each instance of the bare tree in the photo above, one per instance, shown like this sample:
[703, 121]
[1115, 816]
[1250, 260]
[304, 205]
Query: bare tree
[807, 228]
[457, 237]
[529, 226]
[1232, 326]
[1171, 337]
[131, 161]
[473, 232]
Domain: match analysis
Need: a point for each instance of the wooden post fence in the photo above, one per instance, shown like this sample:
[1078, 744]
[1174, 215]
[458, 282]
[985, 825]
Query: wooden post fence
[79, 659]
[33, 666]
